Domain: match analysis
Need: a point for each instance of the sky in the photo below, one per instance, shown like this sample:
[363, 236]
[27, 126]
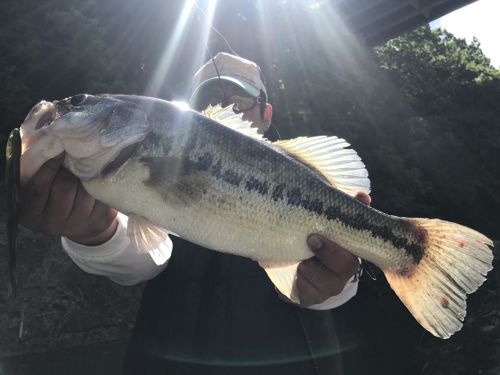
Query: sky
[479, 19]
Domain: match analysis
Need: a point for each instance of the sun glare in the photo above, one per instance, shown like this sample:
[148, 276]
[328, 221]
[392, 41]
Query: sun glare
[340, 47]
[183, 106]
[175, 43]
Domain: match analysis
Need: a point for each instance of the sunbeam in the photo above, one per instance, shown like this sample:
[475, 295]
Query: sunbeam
[161, 71]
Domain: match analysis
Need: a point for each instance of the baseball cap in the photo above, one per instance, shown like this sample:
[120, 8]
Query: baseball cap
[230, 69]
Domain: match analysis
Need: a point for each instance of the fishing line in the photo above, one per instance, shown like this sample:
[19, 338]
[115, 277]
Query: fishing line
[214, 29]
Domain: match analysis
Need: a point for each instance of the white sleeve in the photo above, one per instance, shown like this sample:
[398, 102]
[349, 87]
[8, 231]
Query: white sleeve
[117, 258]
[349, 291]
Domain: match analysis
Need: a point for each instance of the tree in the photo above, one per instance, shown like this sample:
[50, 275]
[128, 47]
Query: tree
[51, 50]
[453, 90]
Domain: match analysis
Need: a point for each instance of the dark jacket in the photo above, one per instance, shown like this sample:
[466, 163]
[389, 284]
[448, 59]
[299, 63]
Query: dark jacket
[214, 313]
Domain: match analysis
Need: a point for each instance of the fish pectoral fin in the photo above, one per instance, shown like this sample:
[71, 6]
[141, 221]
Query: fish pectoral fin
[455, 263]
[150, 238]
[227, 117]
[340, 166]
[283, 276]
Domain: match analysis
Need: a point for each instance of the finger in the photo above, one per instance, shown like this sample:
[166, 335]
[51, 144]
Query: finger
[363, 197]
[62, 195]
[35, 193]
[100, 226]
[102, 215]
[79, 219]
[334, 257]
[104, 211]
[83, 205]
[307, 291]
[46, 174]
[327, 282]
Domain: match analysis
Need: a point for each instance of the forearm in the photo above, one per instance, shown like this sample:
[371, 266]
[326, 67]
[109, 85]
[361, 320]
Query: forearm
[117, 258]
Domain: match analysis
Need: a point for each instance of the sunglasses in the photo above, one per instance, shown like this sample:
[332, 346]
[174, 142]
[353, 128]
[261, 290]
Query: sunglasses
[243, 103]
[240, 103]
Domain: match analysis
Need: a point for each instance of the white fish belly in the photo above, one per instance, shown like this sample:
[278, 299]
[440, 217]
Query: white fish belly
[227, 220]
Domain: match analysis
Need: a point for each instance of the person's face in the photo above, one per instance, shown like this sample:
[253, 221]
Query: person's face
[259, 120]
[259, 115]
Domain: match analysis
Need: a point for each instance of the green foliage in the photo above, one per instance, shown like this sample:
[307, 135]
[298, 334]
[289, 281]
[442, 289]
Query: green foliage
[453, 135]
[437, 70]
[50, 50]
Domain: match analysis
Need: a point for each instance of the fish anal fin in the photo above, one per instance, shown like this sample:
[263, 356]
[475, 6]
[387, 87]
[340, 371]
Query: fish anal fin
[455, 262]
[340, 166]
[283, 276]
[150, 238]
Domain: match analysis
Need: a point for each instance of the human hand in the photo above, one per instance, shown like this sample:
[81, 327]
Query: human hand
[55, 203]
[325, 275]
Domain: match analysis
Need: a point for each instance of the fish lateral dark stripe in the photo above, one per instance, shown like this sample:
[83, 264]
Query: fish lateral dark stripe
[166, 144]
[315, 206]
[417, 249]
[154, 140]
[413, 244]
[294, 197]
[228, 175]
[231, 177]
[176, 180]
[333, 213]
[205, 161]
[278, 192]
[217, 169]
[384, 232]
[358, 221]
[252, 184]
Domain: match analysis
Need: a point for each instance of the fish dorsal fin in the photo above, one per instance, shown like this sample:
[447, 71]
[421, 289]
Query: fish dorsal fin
[150, 238]
[227, 117]
[330, 157]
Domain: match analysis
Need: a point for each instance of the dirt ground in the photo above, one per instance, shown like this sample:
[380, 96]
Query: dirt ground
[65, 321]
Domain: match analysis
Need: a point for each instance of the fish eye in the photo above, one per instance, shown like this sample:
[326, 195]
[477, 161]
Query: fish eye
[78, 99]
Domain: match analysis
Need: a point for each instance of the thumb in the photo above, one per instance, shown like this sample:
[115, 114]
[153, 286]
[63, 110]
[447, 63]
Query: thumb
[363, 197]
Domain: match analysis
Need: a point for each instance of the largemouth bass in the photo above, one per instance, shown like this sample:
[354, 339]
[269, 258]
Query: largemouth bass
[212, 180]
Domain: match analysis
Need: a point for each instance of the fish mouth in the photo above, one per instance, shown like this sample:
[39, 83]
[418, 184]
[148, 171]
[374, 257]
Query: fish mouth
[41, 115]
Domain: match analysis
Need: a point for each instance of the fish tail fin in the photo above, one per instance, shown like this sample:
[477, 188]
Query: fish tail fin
[455, 263]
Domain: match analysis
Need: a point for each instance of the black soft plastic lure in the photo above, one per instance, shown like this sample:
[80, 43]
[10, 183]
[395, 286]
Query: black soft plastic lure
[13, 157]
